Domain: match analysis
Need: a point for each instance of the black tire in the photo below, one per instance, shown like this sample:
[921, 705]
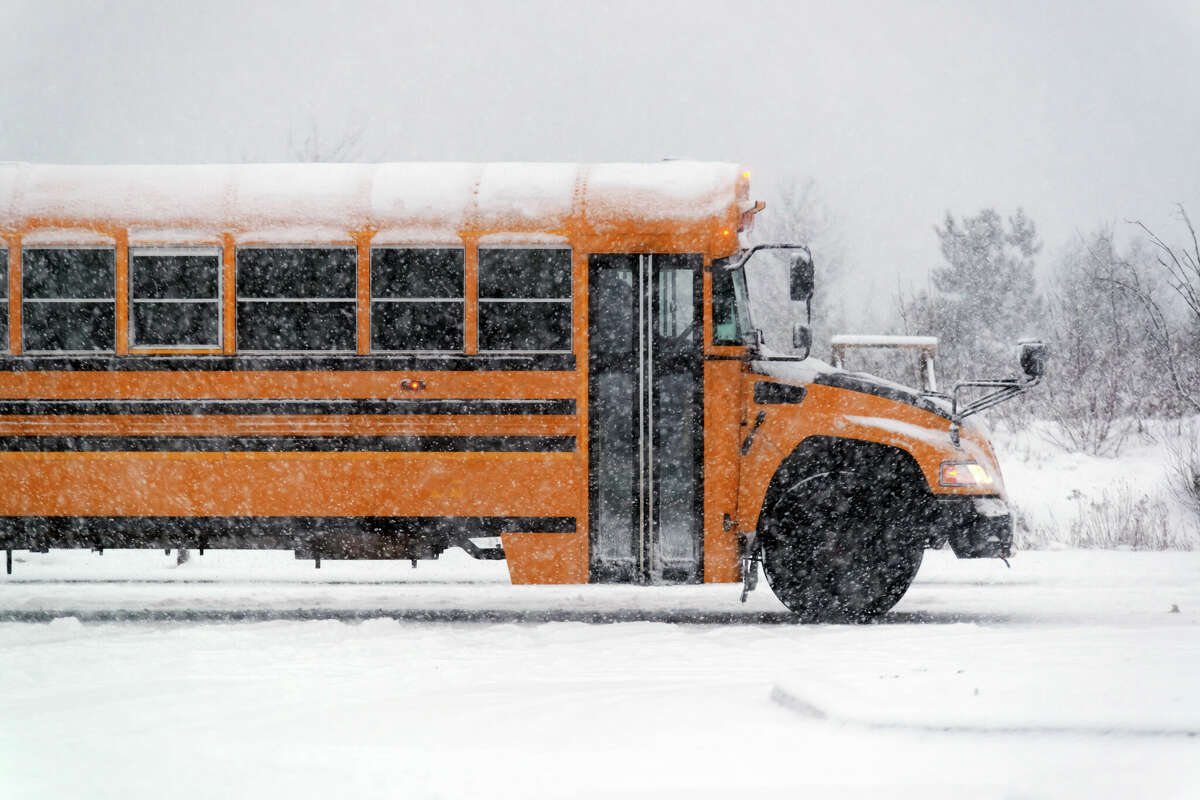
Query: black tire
[837, 549]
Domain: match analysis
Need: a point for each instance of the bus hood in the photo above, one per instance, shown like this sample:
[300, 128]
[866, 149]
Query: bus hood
[813, 370]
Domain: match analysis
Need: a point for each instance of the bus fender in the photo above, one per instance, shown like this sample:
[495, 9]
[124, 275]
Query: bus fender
[893, 469]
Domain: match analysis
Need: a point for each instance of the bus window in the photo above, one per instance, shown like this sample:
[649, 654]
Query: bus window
[3, 300]
[296, 299]
[725, 327]
[525, 299]
[68, 299]
[417, 299]
[175, 297]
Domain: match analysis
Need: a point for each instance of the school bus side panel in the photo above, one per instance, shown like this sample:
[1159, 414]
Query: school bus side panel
[722, 415]
[288, 484]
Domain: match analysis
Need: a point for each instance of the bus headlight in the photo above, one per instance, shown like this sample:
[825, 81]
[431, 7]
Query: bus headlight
[964, 473]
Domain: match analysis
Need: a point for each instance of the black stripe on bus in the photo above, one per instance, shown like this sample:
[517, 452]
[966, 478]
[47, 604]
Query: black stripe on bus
[292, 363]
[68, 531]
[287, 444]
[287, 407]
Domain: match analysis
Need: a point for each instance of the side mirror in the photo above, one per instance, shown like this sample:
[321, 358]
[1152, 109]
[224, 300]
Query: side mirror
[802, 277]
[802, 338]
[1033, 359]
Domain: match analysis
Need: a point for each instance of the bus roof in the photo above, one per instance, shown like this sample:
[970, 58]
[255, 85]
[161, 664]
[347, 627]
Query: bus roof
[408, 201]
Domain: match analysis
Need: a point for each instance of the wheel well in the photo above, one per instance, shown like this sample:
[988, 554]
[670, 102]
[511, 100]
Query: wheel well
[894, 471]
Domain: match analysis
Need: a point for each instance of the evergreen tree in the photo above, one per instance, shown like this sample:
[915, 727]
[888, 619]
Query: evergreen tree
[984, 298]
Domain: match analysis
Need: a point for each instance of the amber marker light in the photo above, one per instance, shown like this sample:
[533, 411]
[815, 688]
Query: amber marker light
[964, 473]
[411, 385]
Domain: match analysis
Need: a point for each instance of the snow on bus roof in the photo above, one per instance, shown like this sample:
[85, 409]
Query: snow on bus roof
[410, 201]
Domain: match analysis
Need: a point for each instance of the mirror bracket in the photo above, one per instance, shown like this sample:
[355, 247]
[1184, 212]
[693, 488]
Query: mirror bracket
[1033, 364]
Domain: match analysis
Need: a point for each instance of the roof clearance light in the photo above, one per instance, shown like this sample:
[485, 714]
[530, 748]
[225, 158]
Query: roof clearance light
[746, 174]
[959, 473]
[725, 232]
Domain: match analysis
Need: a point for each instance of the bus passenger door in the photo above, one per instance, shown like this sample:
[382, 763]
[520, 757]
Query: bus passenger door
[645, 431]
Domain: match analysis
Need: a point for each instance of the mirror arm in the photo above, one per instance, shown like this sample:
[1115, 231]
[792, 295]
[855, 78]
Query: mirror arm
[741, 262]
[1005, 390]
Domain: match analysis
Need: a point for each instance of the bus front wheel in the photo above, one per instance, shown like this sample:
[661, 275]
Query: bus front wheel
[837, 548]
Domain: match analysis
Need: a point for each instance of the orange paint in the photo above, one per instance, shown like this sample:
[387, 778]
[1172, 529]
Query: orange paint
[122, 313]
[228, 295]
[362, 242]
[722, 413]
[829, 411]
[546, 557]
[284, 384]
[290, 484]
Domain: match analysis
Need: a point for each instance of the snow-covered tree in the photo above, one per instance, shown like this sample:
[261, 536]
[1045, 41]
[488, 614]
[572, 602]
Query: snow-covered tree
[983, 298]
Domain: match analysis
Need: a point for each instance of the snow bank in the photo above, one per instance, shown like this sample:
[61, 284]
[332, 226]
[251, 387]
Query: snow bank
[1077, 500]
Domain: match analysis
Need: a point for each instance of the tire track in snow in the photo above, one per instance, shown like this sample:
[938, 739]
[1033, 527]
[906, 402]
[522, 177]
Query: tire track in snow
[442, 615]
[798, 705]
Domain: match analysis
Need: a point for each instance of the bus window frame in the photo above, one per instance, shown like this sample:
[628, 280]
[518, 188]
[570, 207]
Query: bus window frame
[6, 301]
[372, 299]
[354, 301]
[569, 300]
[25, 350]
[177, 249]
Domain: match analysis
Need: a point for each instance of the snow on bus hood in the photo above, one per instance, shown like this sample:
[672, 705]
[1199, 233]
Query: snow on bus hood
[813, 370]
[799, 372]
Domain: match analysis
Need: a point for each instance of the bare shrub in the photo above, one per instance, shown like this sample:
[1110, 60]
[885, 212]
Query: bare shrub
[1183, 467]
[1177, 337]
[1124, 518]
[1104, 377]
[1027, 536]
[311, 147]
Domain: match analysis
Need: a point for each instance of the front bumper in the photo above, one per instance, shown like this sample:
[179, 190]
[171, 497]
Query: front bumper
[975, 527]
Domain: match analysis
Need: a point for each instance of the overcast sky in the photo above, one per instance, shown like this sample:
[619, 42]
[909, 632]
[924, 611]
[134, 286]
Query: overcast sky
[1082, 112]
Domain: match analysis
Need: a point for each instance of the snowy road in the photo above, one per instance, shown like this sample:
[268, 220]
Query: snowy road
[1066, 676]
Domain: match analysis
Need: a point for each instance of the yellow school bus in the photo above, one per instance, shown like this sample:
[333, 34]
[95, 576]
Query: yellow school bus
[387, 360]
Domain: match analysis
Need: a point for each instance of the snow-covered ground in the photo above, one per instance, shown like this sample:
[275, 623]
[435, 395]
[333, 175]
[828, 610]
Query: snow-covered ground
[1068, 499]
[1069, 675]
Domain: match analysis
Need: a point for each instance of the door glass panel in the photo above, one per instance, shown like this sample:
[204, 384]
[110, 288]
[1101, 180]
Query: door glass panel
[613, 369]
[616, 465]
[674, 468]
[613, 303]
[677, 372]
[675, 307]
